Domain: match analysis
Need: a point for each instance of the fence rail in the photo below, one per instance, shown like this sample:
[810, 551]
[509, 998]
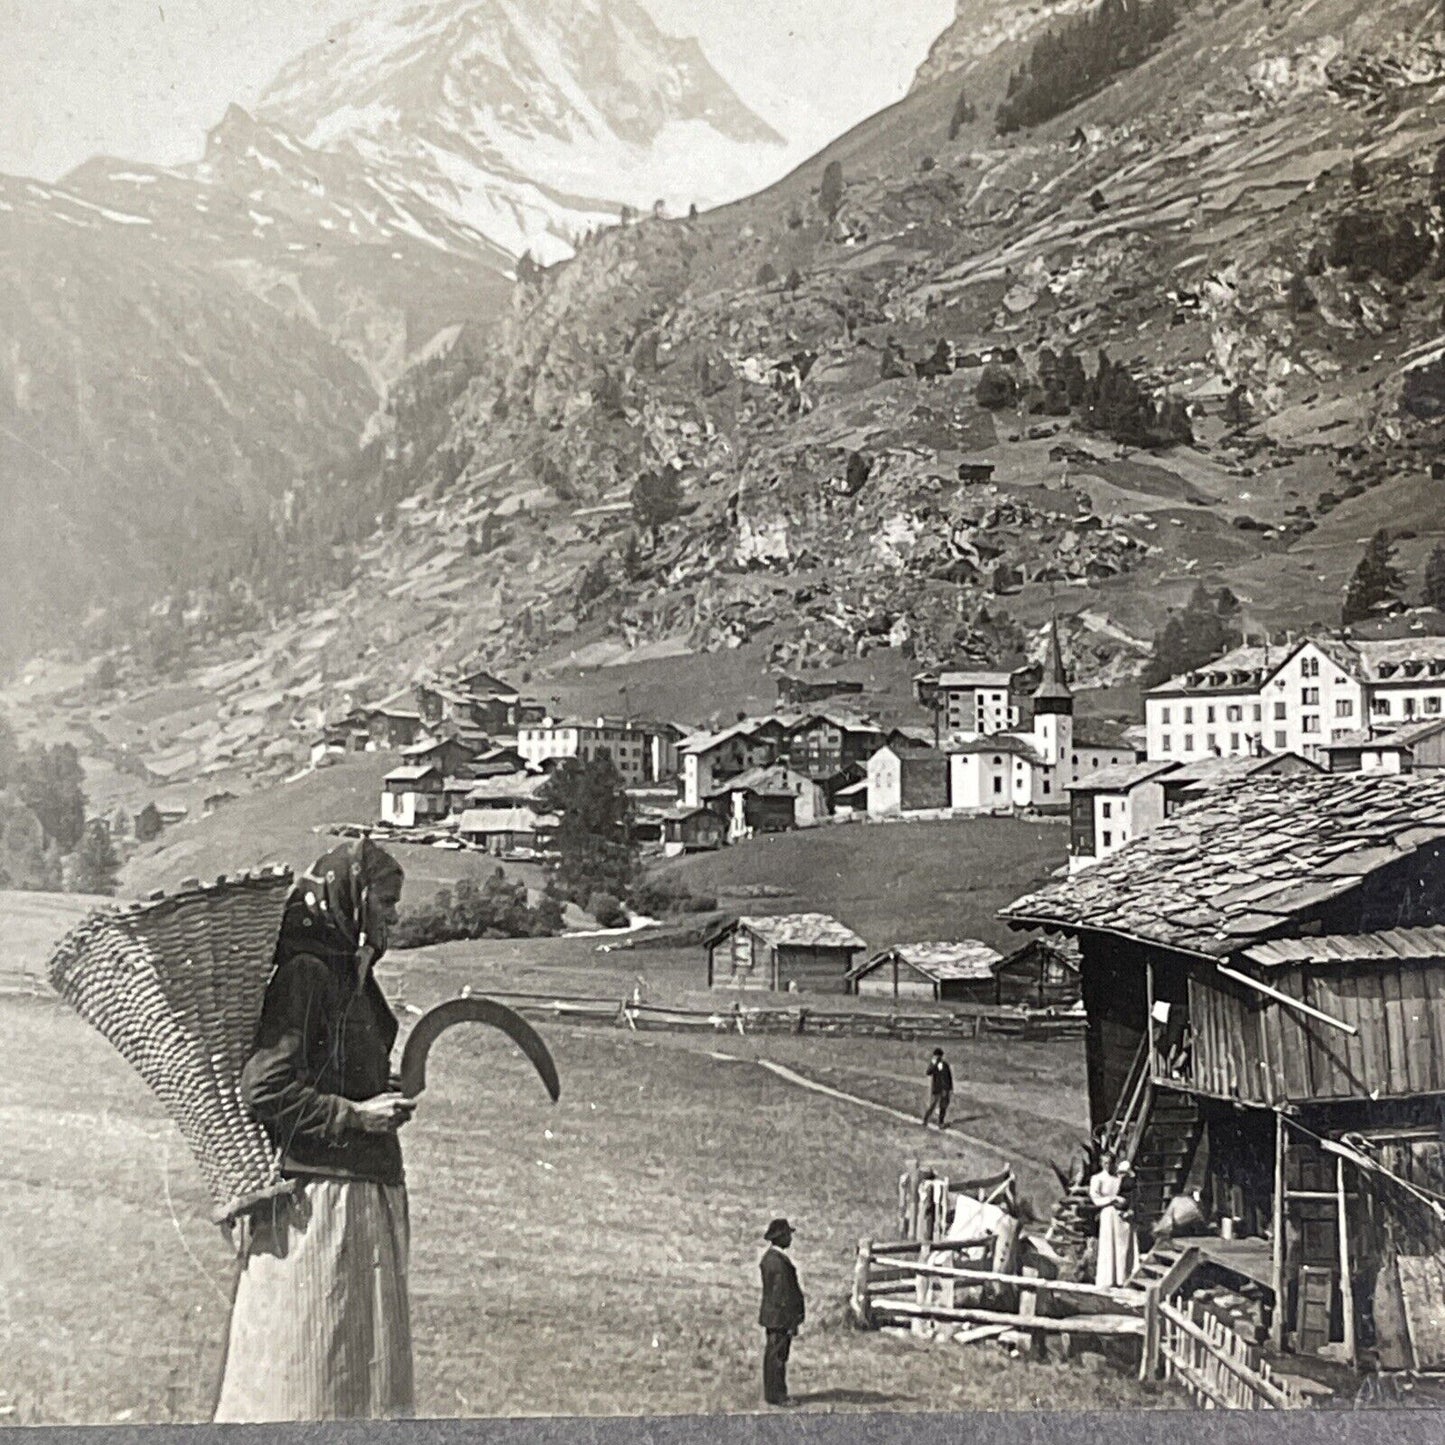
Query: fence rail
[1218, 1368]
[964, 1021]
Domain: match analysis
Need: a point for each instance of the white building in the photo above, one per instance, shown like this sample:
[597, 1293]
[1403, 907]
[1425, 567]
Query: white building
[976, 702]
[708, 759]
[1109, 807]
[1010, 771]
[554, 740]
[1261, 699]
[413, 794]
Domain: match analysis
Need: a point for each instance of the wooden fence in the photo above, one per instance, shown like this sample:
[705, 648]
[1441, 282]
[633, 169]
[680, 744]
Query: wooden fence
[890, 1286]
[1215, 1366]
[963, 1021]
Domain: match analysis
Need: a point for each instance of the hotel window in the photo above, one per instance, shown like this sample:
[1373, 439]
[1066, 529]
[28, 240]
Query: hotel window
[1409, 707]
[1380, 706]
[1309, 667]
[1108, 809]
[1188, 742]
[1211, 743]
[1164, 716]
[1234, 713]
[1258, 712]
[1344, 707]
[1432, 705]
[1189, 714]
[1310, 724]
[1310, 696]
[1165, 743]
[1209, 713]
[1108, 840]
[1234, 742]
[1279, 740]
[1280, 712]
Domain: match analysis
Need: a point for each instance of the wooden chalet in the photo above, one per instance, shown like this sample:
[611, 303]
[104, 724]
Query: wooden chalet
[391, 726]
[690, 830]
[1044, 973]
[804, 952]
[960, 972]
[449, 756]
[1264, 976]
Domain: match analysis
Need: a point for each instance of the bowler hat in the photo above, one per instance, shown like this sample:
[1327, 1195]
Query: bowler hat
[777, 1230]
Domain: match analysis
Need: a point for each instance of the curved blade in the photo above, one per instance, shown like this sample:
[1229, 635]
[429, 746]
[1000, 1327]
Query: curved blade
[436, 1021]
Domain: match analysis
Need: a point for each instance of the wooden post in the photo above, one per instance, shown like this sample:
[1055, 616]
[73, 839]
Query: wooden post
[1276, 1275]
[1347, 1286]
[1149, 1355]
[1149, 1016]
[862, 1267]
[910, 1200]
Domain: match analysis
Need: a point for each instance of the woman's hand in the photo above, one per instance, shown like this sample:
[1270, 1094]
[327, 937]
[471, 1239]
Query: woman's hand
[384, 1114]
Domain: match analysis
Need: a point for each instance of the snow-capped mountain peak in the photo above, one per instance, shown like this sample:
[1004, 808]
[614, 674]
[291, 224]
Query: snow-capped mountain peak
[530, 120]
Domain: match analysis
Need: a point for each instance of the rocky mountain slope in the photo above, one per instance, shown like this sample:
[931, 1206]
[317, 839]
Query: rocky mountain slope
[1248, 223]
[1193, 220]
[532, 122]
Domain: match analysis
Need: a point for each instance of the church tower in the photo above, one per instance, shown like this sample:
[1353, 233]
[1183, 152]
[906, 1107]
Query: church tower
[1054, 708]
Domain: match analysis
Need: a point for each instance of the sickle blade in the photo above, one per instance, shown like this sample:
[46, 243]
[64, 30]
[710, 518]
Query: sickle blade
[436, 1021]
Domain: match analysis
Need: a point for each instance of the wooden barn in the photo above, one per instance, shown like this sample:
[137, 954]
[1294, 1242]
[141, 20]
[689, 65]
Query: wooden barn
[1044, 973]
[948, 972]
[803, 952]
[1264, 976]
[690, 830]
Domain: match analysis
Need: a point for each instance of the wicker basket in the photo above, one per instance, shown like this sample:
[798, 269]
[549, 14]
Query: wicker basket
[176, 984]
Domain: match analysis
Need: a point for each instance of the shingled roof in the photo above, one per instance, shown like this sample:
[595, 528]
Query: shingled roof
[1229, 870]
[970, 960]
[798, 930]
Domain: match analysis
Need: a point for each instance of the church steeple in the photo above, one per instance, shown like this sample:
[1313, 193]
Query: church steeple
[1052, 695]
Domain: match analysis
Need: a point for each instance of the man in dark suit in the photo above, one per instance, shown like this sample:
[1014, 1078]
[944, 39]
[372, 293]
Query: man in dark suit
[940, 1089]
[781, 1313]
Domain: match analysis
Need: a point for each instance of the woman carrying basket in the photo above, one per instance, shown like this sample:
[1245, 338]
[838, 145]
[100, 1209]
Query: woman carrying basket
[320, 1325]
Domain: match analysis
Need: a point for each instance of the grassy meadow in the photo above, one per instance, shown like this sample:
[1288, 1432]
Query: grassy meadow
[597, 1256]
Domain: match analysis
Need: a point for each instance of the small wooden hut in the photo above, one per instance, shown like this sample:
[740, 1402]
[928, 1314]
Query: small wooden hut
[948, 972]
[806, 952]
[1044, 973]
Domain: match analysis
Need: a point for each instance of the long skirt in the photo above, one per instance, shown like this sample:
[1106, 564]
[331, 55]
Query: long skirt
[320, 1328]
[1116, 1247]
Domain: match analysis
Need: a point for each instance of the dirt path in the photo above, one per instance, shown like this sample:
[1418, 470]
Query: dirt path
[803, 1081]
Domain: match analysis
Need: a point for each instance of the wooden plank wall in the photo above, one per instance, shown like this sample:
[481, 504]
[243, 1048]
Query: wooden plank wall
[1398, 1010]
[817, 970]
[1229, 1045]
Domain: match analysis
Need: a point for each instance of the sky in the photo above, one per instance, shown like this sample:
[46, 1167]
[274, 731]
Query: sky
[145, 79]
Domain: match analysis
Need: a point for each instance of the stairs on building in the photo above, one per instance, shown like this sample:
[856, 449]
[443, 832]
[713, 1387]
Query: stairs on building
[1166, 1146]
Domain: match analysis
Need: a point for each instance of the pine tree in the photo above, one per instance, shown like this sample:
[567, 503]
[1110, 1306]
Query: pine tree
[1376, 585]
[94, 866]
[1207, 628]
[593, 837]
[1434, 591]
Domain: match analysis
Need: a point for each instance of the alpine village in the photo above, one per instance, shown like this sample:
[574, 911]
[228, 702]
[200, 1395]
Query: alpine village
[979, 595]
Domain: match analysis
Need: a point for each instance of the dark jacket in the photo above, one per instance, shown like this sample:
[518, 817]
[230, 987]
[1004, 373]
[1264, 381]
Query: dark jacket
[940, 1076]
[783, 1307]
[321, 1044]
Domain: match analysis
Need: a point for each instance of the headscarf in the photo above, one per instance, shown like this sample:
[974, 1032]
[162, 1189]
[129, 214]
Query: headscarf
[324, 914]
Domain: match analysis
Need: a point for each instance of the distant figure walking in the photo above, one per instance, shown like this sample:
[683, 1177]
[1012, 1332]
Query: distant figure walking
[940, 1089]
[782, 1311]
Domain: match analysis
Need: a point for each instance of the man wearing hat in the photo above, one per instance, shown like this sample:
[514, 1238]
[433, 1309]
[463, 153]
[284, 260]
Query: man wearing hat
[940, 1089]
[782, 1311]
